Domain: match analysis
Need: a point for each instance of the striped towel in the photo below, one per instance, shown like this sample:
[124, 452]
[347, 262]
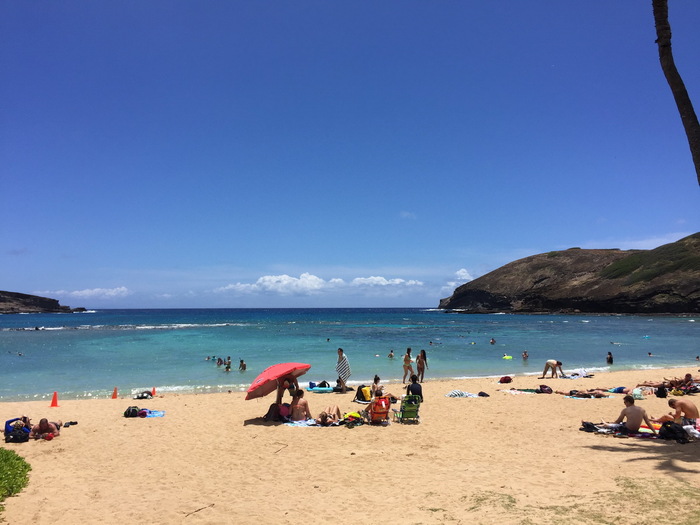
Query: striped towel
[459, 393]
[343, 368]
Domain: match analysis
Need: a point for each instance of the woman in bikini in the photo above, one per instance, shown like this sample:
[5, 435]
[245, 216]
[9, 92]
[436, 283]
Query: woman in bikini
[378, 389]
[407, 366]
[299, 408]
[421, 364]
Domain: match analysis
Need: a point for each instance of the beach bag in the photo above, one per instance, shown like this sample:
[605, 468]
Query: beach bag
[661, 391]
[17, 436]
[312, 385]
[505, 379]
[544, 389]
[672, 430]
[131, 412]
[361, 391]
[637, 394]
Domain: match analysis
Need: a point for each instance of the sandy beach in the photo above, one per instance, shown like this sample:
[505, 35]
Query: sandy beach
[501, 459]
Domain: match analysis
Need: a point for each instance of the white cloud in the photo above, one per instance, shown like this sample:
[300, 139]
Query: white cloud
[407, 215]
[91, 293]
[308, 284]
[381, 281]
[463, 276]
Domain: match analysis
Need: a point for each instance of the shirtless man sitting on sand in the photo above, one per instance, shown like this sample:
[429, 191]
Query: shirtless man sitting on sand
[686, 413]
[634, 415]
[299, 408]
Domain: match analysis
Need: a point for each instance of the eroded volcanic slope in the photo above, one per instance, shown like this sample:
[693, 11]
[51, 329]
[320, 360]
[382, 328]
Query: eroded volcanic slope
[663, 280]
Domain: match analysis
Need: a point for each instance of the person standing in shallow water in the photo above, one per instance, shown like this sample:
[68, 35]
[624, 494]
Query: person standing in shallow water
[407, 366]
[609, 358]
[421, 364]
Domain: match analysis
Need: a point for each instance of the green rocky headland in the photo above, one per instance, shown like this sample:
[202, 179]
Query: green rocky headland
[665, 280]
[21, 303]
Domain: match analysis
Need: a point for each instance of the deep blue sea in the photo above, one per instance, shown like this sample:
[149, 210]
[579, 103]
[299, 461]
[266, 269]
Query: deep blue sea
[88, 354]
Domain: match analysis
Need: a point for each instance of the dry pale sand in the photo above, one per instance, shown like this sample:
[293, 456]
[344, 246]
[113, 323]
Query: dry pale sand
[502, 459]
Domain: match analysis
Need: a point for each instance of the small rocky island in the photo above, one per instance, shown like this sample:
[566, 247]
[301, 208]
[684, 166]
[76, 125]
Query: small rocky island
[665, 280]
[20, 303]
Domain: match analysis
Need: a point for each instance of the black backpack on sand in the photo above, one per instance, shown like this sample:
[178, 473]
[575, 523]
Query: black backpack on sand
[671, 430]
[131, 412]
[17, 436]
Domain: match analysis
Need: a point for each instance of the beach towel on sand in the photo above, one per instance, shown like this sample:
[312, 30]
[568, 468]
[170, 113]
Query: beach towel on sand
[156, 413]
[343, 368]
[459, 393]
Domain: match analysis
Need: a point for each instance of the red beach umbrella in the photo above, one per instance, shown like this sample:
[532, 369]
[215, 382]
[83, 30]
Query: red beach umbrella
[266, 382]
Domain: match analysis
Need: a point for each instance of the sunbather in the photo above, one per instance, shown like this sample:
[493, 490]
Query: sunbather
[378, 390]
[634, 416]
[330, 415]
[584, 393]
[684, 412]
[45, 429]
[299, 408]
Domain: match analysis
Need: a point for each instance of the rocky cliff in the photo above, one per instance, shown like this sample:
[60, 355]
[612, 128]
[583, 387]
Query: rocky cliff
[663, 280]
[20, 303]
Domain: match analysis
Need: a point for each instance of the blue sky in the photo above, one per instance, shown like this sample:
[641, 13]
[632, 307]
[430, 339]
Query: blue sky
[327, 153]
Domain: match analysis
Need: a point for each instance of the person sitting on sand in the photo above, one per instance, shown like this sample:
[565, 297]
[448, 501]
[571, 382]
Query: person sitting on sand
[44, 429]
[377, 388]
[634, 416]
[299, 408]
[415, 388]
[552, 365]
[330, 415]
[685, 413]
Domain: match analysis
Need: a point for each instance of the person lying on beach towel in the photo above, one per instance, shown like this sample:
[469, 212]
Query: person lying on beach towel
[583, 394]
[329, 416]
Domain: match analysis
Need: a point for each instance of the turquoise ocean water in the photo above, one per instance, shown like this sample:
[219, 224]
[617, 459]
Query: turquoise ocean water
[88, 354]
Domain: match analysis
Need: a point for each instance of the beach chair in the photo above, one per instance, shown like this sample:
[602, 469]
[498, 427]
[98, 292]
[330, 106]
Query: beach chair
[378, 410]
[410, 405]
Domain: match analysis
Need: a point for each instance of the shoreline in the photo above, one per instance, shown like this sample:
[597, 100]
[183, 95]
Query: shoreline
[499, 459]
[225, 389]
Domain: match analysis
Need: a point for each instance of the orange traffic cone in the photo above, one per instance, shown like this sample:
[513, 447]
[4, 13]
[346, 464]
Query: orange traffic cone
[54, 401]
[153, 392]
[114, 394]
